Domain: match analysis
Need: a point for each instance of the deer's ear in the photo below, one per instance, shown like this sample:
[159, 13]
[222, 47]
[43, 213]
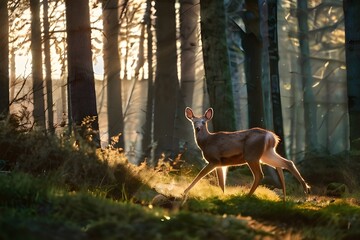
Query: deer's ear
[209, 114]
[189, 113]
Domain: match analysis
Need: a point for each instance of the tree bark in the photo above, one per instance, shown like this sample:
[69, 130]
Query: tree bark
[48, 79]
[274, 75]
[80, 70]
[112, 70]
[166, 81]
[252, 42]
[216, 63]
[147, 143]
[352, 45]
[189, 15]
[4, 60]
[252, 45]
[310, 112]
[37, 75]
[189, 29]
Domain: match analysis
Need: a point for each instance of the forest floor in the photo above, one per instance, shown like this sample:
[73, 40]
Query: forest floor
[53, 189]
[266, 216]
[34, 209]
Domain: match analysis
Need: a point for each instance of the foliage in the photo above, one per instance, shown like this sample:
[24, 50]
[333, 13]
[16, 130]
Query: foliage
[33, 211]
[51, 189]
[65, 161]
[340, 169]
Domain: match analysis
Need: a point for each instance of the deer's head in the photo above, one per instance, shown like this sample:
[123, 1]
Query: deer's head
[199, 123]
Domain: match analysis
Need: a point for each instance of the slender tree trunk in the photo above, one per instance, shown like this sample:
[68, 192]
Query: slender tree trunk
[12, 74]
[309, 98]
[252, 45]
[189, 29]
[166, 82]
[81, 83]
[189, 15]
[352, 41]
[37, 76]
[48, 79]
[265, 64]
[233, 11]
[4, 59]
[147, 144]
[112, 70]
[216, 63]
[274, 75]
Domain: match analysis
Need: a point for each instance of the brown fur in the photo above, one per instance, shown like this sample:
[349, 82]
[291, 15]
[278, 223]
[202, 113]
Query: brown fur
[251, 147]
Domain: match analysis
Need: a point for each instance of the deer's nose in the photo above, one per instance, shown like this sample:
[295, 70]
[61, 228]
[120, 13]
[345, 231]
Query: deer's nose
[197, 129]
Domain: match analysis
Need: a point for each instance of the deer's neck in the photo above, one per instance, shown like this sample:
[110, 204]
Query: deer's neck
[202, 137]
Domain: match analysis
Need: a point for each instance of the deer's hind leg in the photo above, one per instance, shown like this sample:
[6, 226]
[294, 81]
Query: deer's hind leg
[275, 160]
[257, 173]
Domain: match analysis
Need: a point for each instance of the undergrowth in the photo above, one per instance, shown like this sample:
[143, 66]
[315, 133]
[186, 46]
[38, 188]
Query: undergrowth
[33, 210]
[51, 188]
[60, 160]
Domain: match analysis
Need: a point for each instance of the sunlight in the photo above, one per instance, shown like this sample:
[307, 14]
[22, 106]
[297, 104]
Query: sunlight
[20, 41]
[23, 65]
[316, 84]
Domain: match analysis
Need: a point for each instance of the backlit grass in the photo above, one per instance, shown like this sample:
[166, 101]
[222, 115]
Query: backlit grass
[50, 189]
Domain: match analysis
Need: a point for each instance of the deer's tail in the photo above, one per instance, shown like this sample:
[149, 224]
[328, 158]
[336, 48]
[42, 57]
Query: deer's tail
[271, 140]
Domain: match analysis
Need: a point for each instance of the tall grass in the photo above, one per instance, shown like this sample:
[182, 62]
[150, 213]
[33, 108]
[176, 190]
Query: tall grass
[58, 159]
[51, 188]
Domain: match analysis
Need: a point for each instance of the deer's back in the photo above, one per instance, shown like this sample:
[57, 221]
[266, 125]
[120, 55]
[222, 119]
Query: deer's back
[221, 145]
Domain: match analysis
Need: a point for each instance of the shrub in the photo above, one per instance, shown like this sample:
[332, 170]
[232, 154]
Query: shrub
[58, 159]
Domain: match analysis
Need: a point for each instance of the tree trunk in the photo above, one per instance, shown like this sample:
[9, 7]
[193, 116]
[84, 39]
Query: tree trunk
[4, 60]
[251, 42]
[310, 111]
[48, 80]
[233, 11]
[253, 48]
[166, 82]
[112, 70]
[12, 73]
[216, 63]
[189, 29]
[80, 70]
[37, 76]
[265, 65]
[274, 75]
[147, 143]
[189, 15]
[352, 41]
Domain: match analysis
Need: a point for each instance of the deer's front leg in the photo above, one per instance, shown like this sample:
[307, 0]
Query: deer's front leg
[206, 170]
[257, 174]
[282, 180]
[221, 174]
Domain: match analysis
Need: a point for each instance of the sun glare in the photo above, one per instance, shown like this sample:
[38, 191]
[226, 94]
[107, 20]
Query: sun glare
[128, 41]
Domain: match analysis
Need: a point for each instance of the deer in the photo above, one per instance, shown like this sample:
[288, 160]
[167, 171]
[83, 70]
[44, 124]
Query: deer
[253, 147]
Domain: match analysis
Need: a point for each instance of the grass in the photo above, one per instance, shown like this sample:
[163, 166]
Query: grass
[313, 219]
[32, 210]
[50, 189]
